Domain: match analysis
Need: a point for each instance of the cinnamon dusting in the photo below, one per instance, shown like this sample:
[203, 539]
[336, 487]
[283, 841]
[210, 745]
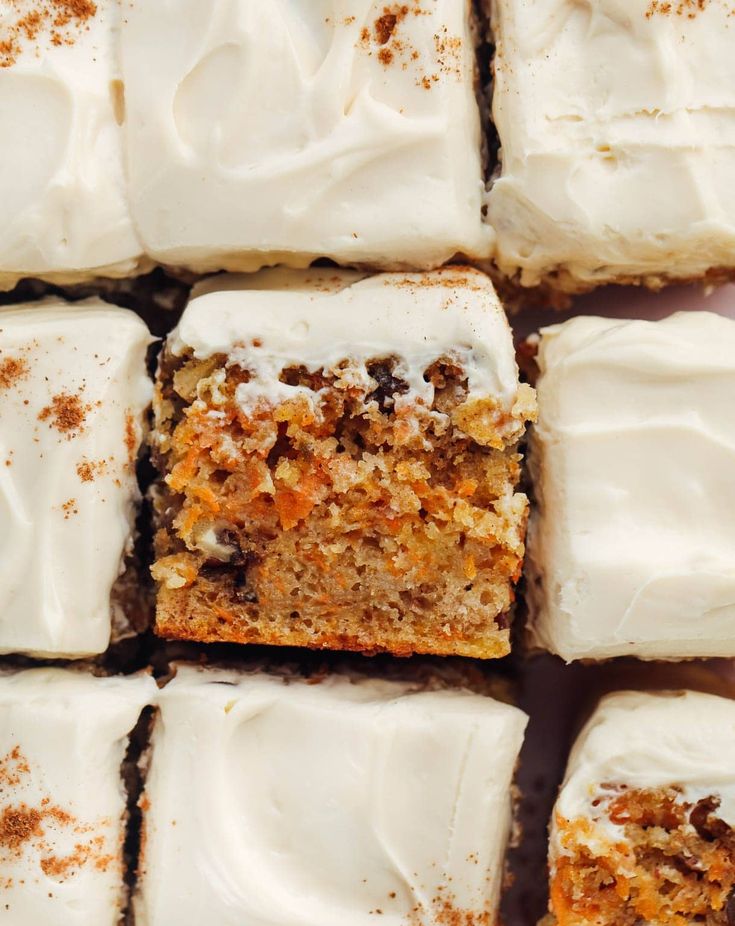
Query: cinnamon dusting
[61, 20]
[67, 413]
[686, 8]
[18, 825]
[12, 369]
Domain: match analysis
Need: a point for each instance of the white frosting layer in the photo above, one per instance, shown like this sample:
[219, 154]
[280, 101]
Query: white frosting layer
[63, 736]
[63, 203]
[277, 132]
[324, 803]
[320, 318]
[631, 546]
[618, 138]
[73, 392]
[682, 739]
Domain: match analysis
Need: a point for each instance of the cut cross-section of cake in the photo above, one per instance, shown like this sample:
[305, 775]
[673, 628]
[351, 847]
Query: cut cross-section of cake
[337, 803]
[64, 737]
[74, 391]
[339, 459]
[643, 830]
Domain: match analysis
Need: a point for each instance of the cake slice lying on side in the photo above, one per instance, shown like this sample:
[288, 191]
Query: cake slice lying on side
[348, 801]
[338, 457]
[74, 392]
[644, 827]
[63, 740]
[631, 542]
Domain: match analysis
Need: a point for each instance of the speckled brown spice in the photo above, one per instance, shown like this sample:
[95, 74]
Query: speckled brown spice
[686, 8]
[66, 413]
[18, 825]
[12, 369]
[61, 19]
[89, 470]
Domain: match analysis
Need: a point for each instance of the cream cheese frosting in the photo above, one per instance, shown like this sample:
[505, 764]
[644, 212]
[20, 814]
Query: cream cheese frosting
[63, 200]
[321, 318]
[631, 546]
[73, 394]
[339, 802]
[617, 138]
[644, 740]
[260, 133]
[63, 737]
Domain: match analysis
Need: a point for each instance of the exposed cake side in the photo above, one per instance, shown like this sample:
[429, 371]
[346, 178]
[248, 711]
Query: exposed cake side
[644, 827]
[339, 461]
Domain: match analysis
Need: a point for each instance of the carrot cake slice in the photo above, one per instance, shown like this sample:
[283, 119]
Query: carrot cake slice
[349, 801]
[338, 457]
[63, 741]
[63, 199]
[74, 391]
[366, 147]
[643, 831]
[632, 541]
[614, 172]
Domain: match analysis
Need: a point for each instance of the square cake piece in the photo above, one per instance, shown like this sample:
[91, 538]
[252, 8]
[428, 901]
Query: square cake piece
[63, 807]
[74, 391]
[631, 547]
[63, 202]
[617, 141]
[277, 132]
[643, 831]
[342, 803]
[338, 457]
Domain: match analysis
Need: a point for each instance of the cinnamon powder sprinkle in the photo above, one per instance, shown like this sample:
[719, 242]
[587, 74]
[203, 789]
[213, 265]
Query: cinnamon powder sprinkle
[67, 413]
[18, 825]
[89, 470]
[61, 19]
[685, 8]
[12, 369]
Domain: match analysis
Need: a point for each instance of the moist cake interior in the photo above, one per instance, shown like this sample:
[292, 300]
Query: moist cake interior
[354, 527]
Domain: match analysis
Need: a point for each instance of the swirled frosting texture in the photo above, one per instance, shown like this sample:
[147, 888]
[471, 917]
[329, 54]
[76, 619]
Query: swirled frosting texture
[631, 548]
[63, 737]
[73, 392]
[617, 125]
[638, 740]
[278, 132]
[63, 202]
[332, 803]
